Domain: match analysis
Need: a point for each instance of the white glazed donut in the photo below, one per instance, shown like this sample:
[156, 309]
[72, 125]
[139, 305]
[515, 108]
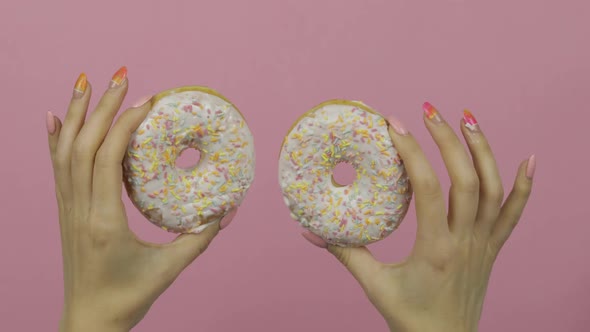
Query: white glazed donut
[363, 212]
[188, 200]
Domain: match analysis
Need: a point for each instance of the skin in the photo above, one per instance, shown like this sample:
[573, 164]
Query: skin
[111, 278]
[441, 285]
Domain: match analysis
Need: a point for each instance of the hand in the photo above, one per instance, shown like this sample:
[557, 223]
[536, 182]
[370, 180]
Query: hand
[111, 278]
[442, 284]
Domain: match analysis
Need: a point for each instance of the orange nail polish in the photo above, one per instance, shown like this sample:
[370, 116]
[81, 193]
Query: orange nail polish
[431, 113]
[470, 121]
[80, 86]
[119, 77]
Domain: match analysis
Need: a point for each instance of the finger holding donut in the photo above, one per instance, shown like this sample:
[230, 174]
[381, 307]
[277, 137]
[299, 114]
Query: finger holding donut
[441, 285]
[111, 278]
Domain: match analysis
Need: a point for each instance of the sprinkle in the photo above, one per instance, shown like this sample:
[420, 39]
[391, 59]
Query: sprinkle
[185, 120]
[319, 141]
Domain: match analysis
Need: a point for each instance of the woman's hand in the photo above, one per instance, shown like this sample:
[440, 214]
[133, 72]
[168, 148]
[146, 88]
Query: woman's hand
[111, 278]
[442, 284]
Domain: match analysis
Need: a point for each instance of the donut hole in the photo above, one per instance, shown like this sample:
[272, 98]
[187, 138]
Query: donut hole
[188, 158]
[343, 174]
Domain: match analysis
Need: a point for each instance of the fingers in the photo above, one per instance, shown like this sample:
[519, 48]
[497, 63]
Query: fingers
[429, 199]
[515, 203]
[187, 247]
[491, 191]
[53, 125]
[92, 135]
[464, 192]
[358, 261]
[53, 130]
[72, 124]
[108, 172]
[315, 240]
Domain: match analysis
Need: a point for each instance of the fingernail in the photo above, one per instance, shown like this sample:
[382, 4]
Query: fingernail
[227, 219]
[470, 122]
[314, 239]
[397, 126]
[431, 113]
[50, 121]
[119, 78]
[530, 167]
[142, 101]
[80, 86]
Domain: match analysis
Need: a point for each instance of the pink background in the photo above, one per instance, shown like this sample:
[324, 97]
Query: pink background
[522, 67]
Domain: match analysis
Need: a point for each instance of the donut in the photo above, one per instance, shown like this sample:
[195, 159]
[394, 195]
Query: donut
[189, 200]
[363, 212]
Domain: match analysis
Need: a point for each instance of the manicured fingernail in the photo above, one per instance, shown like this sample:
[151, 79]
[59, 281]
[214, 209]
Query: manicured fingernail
[397, 126]
[227, 219]
[530, 167]
[80, 86]
[142, 101]
[314, 239]
[50, 121]
[431, 113]
[119, 78]
[470, 122]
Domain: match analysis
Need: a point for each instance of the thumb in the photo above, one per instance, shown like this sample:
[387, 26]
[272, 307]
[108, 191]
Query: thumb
[358, 260]
[187, 247]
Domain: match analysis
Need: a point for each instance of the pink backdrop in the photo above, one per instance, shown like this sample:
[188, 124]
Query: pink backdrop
[520, 65]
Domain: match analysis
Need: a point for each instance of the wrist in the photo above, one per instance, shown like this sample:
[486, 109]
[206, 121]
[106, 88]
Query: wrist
[395, 328]
[87, 327]
[427, 324]
[88, 323]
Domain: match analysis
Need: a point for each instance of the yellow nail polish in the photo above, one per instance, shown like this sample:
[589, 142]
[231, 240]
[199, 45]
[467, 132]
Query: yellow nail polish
[431, 113]
[119, 77]
[80, 86]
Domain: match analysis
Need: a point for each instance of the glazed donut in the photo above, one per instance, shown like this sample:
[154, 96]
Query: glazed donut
[363, 212]
[188, 200]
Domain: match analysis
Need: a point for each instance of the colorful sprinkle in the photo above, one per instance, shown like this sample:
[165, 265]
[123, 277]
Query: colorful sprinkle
[189, 199]
[362, 212]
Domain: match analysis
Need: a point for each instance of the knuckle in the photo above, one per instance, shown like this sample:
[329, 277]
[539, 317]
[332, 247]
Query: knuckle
[81, 150]
[442, 259]
[428, 186]
[102, 158]
[202, 247]
[522, 189]
[341, 255]
[496, 194]
[468, 183]
[61, 161]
